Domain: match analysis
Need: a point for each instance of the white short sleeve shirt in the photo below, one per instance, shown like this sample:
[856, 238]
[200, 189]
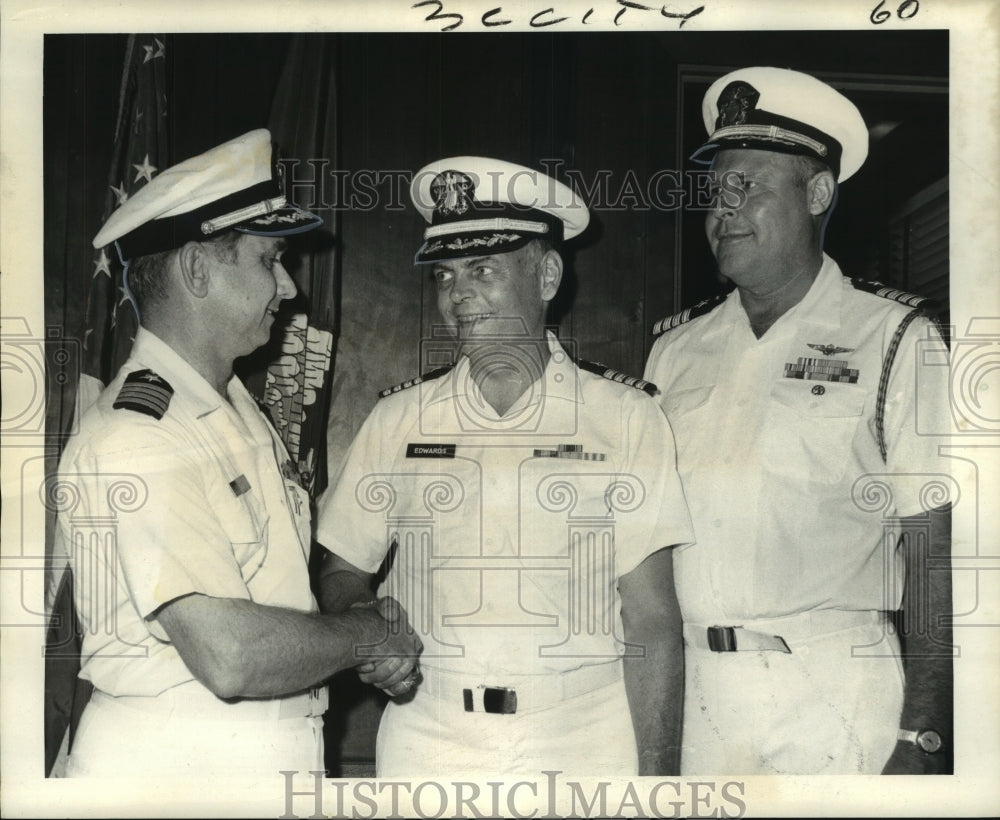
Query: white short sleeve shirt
[791, 500]
[192, 502]
[506, 535]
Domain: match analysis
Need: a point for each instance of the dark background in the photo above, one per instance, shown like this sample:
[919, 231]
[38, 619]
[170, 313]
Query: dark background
[626, 104]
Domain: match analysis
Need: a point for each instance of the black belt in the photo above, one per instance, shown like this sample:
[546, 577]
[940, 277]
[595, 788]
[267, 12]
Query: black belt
[721, 638]
[501, 698]
[775, 634]
[733, 639]
[497, 700]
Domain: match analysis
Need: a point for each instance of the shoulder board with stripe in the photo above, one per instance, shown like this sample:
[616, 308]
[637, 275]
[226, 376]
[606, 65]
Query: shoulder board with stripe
[901, 296]
[617, 376]
[688, 314]
[426, 377]
[144, 392]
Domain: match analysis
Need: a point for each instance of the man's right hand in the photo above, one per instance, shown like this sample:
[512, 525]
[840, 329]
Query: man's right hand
[394, 660]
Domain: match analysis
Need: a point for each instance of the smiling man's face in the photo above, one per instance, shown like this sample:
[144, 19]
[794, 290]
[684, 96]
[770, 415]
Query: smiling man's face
[250, 288]
[761, 230]
[503, 295]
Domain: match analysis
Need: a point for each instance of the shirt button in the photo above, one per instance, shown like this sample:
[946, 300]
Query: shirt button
[818, 390]
[717, 522]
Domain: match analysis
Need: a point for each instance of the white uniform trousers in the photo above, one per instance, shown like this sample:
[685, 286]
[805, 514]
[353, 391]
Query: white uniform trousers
[125, 737]
[433, 736]
[830, 706]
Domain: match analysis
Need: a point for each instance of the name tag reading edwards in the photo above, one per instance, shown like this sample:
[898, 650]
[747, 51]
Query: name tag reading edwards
[417, 450]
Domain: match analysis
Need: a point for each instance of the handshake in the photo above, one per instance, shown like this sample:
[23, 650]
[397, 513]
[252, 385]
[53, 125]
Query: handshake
[392, 657]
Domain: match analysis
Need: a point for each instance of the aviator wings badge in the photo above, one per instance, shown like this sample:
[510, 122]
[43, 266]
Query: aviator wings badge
[831, 350]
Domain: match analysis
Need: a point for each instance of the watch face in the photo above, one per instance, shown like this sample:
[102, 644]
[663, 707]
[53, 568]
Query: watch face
[929, 741]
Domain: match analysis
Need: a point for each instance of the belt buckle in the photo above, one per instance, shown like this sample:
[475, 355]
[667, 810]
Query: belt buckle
[722, 638]
[497, 700]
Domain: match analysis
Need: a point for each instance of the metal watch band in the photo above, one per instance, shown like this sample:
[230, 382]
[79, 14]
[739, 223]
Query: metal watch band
[927, 740]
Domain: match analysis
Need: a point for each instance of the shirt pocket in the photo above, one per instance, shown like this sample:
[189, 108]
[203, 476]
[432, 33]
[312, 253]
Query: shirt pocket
[683, 409]
[811, 428]
[246, 527]
[679, 402]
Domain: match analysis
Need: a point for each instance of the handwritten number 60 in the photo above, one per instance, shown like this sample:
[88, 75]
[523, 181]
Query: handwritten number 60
[880, 15]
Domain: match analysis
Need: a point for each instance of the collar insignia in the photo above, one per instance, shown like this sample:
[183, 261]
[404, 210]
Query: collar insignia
[831, 350]
[291, 472]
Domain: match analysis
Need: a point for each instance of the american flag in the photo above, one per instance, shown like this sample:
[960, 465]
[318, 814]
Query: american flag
[140, 152]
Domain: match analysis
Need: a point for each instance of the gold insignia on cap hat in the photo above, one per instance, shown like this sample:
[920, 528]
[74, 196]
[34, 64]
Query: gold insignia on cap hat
[234, 186]
[451, 192]
[478, 204]
[734, 102]
[777, 109]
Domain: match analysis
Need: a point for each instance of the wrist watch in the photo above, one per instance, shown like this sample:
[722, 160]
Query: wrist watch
[927, 740]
